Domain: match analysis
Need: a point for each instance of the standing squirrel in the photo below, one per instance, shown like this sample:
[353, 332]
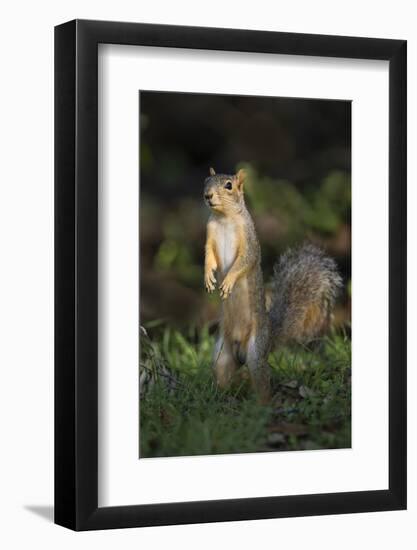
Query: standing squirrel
[305, 286]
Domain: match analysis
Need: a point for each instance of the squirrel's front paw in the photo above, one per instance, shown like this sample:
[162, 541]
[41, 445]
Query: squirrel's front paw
[210, 281]
[226, 287]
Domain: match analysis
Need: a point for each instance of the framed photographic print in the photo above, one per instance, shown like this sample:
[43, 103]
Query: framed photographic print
[230, 252]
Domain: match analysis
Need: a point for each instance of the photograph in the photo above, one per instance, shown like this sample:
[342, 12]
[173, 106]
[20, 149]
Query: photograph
[245, 274]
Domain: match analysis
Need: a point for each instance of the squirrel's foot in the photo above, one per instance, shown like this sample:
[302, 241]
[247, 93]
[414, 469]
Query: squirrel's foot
[210, 281]
[226, 288]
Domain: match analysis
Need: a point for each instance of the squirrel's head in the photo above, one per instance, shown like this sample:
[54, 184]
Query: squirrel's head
[223, 193]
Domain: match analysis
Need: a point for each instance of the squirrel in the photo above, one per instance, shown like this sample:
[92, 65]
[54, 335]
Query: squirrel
[306, 283]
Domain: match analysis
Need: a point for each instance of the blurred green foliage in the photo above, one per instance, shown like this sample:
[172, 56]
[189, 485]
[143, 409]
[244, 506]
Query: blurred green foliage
[298, 188]
[321, 209]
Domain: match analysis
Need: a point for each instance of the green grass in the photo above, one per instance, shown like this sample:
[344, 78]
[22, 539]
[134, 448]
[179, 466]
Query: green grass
[184, 413]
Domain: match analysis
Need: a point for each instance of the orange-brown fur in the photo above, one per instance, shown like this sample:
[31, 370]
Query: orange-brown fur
[232, 251]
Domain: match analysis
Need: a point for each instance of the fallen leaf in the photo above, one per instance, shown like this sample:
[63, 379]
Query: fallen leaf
[304, 391]
[291, 384]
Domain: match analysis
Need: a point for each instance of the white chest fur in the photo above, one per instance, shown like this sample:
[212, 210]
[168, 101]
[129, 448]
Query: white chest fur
[226, 242]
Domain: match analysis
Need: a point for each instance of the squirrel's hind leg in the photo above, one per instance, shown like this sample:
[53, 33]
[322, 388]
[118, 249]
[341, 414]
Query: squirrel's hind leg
[257, 355]
[224, 364]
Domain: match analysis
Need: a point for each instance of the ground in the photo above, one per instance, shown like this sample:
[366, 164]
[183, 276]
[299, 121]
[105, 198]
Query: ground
[182, 412]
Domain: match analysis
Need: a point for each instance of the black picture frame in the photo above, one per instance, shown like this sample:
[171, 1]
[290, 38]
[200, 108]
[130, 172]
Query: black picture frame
[76, 272]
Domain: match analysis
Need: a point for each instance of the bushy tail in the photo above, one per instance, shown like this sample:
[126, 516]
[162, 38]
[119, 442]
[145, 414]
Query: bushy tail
[306, 284]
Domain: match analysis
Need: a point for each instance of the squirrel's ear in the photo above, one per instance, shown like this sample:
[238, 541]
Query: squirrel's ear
[240, 176]
[212, 172]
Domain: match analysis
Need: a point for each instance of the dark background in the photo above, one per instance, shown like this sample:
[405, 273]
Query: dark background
[298, 156]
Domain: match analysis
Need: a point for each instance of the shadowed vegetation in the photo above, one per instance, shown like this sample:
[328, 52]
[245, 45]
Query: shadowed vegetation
[182, 412]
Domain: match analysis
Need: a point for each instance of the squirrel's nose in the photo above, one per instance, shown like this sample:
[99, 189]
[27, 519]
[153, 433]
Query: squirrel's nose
[208, 196]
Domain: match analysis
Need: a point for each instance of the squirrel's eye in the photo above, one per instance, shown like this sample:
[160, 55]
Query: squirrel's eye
[228, 185]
